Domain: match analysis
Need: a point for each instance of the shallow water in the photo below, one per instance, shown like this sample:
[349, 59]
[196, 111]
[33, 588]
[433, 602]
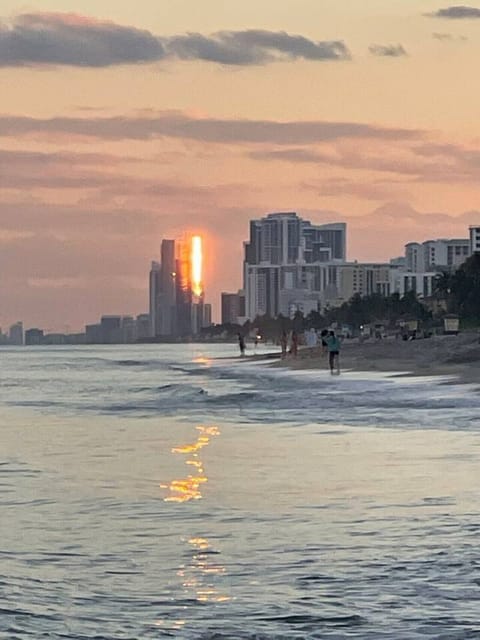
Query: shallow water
[154, 492]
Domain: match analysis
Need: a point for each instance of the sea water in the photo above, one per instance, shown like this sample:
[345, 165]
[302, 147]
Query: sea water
[175, 491]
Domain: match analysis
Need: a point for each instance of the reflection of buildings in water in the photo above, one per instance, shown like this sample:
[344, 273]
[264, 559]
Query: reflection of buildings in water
[189, 488]
[202, 572]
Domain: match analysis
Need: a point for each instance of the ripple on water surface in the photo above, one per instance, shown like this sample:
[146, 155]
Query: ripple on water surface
[150, 494]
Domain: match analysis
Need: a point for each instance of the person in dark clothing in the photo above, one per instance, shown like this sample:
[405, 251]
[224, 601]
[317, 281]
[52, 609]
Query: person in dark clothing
[333, 346]
[284, 344]
[294, 344]
[241, 344]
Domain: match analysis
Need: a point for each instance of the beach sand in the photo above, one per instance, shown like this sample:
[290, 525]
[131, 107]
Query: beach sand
[458, 356]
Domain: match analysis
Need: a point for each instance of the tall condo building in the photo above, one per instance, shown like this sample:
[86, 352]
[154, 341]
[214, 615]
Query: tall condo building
[177, 306]
[290, 264]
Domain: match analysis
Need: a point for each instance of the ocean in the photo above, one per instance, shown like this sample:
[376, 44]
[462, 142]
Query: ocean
[174, 491]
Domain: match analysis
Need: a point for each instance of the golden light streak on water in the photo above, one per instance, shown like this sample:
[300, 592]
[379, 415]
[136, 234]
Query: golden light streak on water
[197, 265]
[203, 572]
[189, 488]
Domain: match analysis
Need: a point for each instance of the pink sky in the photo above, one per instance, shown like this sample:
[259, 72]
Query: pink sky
[123, 125]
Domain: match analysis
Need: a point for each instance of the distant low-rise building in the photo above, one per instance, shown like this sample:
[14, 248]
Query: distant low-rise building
[420, 283]
[34, 337]
[93, 334]
[143, 326]
[363, 279]
[15, 334]
[207, 315]
[436, 255]
[128, 330]
[230, 308]
[111, 329]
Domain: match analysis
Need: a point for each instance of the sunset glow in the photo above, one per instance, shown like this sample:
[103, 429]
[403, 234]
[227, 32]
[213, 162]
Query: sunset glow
[197, 265]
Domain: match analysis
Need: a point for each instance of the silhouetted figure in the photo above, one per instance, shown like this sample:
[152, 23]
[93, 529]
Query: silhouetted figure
[241, 344]
[294, 346]
[284, 344]
[333, 346]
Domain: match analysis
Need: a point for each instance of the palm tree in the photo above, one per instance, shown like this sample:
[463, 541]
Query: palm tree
[443, 285]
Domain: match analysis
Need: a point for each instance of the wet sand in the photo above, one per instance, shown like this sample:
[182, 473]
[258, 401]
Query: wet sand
[458, 356]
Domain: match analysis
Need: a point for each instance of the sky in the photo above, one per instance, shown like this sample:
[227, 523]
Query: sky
[124, 123]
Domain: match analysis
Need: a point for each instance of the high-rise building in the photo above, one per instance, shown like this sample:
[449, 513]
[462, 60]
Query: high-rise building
[168, 290]
[154, 291]
[284, 238]
[291, 264]
[177, 307]
[474, 239]
[15, 334]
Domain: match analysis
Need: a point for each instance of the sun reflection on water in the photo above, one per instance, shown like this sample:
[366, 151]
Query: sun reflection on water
[203, 571]
[189, 488]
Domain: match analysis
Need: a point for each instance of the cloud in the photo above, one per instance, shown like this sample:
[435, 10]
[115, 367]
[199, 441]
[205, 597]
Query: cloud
[458, 12]
[36, 39]
[211, 130]
[418, 162]
[69, 39]
[388, 51]
[448, 37]
[253, 47]
[59, 170]
[375, 190]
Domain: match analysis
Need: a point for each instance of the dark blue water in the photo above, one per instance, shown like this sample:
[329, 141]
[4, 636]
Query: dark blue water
[155, 492]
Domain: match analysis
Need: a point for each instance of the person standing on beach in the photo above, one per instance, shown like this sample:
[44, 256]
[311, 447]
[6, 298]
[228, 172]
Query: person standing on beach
[284, 344]
[294, 347]
[241, 344]
[333, 346]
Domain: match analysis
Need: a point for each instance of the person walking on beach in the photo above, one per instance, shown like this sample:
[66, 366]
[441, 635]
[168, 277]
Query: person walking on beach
[333, 346]
[294, 345]
[284, 344]
[241, 344]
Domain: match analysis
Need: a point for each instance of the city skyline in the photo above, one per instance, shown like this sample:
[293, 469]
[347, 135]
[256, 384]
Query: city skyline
[178, 117]
[289, 265]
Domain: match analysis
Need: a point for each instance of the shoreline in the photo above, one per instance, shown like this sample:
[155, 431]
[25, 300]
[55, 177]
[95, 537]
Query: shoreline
[455, 356]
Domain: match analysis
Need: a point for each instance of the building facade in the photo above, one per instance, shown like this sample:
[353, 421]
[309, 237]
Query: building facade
[177, 304]
[421, 283]
[15, 334]
[290, 264]
[474, 239]
[437, 255]
[364, 279]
